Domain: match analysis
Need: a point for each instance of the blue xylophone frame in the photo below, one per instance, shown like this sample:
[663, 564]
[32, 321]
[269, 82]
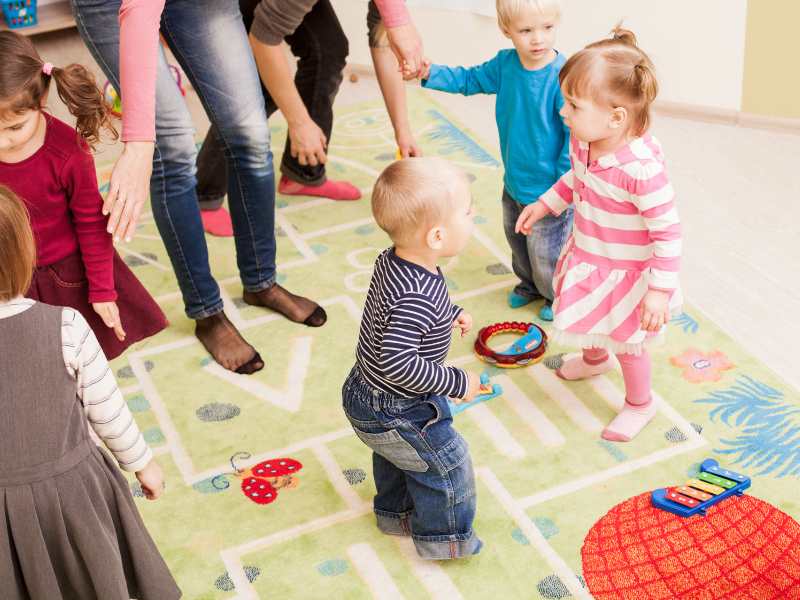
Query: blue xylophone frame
[660, 500]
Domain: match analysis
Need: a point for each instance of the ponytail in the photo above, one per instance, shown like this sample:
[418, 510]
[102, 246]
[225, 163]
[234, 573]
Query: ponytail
[626, 36]
[77, 89]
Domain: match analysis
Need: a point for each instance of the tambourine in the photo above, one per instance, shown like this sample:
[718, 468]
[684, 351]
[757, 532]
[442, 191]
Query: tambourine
[527, 350]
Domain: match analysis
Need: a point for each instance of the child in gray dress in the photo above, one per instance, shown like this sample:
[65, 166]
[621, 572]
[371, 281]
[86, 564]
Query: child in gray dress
[69, 528]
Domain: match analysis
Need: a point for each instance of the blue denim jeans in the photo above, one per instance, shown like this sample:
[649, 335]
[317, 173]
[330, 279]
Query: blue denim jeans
[534, 256]
[209, 41]
[422, 469]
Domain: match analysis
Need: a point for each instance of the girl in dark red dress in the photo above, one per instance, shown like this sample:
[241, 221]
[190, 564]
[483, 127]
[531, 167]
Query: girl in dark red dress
[49, 165]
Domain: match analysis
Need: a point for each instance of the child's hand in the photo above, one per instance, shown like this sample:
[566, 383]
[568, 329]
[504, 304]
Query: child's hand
[463, 322]
[529, 215]
[109, 312]
[152, 480]
[407, 145]
[425, 72]
[655, 310]
[473, 388]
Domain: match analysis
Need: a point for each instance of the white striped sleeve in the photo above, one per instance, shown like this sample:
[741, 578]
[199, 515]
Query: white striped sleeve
[103, 403]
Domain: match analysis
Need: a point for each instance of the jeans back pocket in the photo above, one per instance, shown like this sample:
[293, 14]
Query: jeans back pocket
[391, 446]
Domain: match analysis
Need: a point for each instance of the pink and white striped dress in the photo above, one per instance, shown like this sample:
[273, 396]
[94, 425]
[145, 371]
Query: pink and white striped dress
[626, 239]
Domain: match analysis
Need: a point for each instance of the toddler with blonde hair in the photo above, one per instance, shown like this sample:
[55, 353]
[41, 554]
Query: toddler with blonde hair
[616, 282]
[534, 142]
[396, 396]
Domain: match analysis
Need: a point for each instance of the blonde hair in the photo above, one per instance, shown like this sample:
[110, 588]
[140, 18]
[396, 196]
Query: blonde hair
[507, 10]
[17, 249]
[614, 71]
[414, 193]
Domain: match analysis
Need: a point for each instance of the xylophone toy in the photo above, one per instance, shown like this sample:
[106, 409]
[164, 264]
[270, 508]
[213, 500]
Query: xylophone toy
[712, 485]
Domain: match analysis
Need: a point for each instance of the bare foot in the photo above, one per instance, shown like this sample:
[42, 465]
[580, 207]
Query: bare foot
[294, 308]
[224, 342]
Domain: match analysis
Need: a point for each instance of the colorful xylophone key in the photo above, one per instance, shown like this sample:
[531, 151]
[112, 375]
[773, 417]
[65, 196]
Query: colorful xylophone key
[712, 484]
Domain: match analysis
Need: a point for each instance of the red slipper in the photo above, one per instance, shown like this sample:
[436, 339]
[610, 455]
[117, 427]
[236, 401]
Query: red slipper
[335, 190]
[217, 222]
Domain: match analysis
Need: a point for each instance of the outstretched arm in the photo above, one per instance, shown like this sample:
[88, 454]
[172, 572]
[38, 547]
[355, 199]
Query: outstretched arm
[480, 79]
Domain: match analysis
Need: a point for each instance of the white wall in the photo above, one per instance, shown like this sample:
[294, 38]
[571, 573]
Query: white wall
[697, 45]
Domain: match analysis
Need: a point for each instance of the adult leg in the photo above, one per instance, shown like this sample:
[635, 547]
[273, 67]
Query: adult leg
[321, 48]
[203, 35]
[212, 172]
[212, 185]
[172, 189]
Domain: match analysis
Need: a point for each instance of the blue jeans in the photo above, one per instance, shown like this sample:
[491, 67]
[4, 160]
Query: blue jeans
[422, 469]
[209, 41]
[534, 256]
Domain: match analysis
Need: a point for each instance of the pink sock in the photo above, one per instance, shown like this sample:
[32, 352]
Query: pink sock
[639, 407]
[335, 190]
[217, 222]
[594, 361]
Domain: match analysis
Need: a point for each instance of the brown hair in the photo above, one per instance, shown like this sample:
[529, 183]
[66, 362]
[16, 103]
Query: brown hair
[17, 249]
[414, 193]
[616, 71]
[24, 84]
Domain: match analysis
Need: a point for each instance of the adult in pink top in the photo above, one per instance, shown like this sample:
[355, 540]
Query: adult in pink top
[209, 41]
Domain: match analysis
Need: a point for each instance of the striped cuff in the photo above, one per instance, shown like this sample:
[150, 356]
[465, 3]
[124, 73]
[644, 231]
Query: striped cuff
[664, 281]
[553, 201]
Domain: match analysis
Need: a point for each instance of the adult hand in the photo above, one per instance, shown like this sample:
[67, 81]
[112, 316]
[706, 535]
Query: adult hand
[308, 143]
[151, 479]
[129, 188]
[109, 312]
[407, 47]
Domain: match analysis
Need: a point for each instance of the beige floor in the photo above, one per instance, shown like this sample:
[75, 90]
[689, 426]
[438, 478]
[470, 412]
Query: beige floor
[738, 192]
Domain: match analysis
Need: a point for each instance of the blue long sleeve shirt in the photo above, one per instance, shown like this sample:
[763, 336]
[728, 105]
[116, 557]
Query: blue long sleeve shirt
[534, 141]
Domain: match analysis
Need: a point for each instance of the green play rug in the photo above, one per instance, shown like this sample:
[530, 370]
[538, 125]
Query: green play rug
[544, 476]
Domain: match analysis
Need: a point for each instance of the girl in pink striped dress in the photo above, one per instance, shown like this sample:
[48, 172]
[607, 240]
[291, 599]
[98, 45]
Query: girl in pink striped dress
[616, 282]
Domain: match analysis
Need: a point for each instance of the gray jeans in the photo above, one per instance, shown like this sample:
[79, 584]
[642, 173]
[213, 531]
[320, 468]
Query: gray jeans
[534, 256]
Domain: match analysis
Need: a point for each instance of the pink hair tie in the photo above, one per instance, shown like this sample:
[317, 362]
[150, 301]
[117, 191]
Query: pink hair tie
[47, 68]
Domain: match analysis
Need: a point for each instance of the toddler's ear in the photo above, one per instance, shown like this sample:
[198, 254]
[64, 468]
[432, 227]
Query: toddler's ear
[435, 238]
[619, 116]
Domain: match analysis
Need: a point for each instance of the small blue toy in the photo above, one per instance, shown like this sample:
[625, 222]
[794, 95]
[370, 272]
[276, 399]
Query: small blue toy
[533, 339]
[712, 485]
[488, 391]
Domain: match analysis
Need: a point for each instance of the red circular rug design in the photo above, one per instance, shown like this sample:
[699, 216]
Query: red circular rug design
[743, 548]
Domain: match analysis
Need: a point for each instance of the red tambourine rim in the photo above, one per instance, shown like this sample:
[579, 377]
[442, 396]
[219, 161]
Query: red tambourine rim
[483, 350]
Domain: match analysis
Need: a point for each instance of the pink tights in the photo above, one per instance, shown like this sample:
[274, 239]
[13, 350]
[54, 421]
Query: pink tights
[639, 408]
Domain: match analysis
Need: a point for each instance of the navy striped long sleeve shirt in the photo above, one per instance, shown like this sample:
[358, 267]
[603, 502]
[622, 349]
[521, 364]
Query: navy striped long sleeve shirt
[406, 331]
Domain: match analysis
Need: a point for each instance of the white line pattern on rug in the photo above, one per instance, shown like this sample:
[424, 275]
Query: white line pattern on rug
[576, 410]
[529, 413]
[535, 537]
[372, 571]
